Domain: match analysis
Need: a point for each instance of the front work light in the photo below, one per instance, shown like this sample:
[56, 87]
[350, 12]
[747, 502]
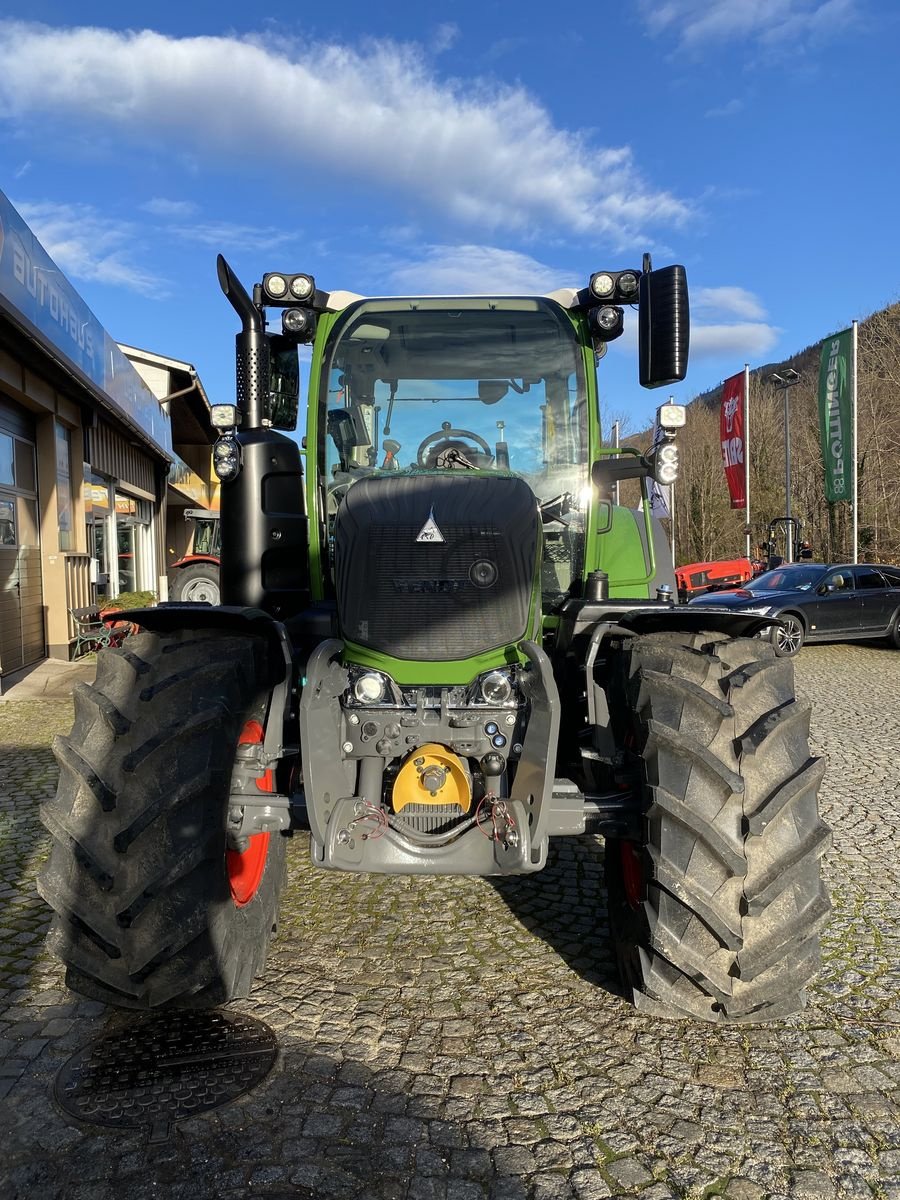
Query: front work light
[275, 286]
[616, 287]
[602, 284]
[671, 416]
[628, 283]
[665, 468]
[280, 288]
[302, 287]
[226, 458]
[223, 416]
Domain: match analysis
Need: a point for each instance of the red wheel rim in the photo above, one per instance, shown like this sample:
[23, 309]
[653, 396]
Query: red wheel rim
[246, 868]
[632, 873]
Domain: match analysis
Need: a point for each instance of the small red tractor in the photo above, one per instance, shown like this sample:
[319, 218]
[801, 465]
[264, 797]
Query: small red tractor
[195, 577]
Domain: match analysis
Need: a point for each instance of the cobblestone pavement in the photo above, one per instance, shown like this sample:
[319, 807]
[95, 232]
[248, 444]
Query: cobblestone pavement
[458, 1039]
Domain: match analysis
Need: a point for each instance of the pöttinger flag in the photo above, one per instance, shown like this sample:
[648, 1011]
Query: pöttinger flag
[731, 429]
[835, 417]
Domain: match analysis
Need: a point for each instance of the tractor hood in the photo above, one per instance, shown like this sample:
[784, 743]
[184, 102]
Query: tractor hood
[437, 566]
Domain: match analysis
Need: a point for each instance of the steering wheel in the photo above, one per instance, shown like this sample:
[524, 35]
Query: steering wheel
[445, 434]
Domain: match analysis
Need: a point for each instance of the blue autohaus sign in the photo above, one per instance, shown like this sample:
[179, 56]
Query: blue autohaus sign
[35, 287]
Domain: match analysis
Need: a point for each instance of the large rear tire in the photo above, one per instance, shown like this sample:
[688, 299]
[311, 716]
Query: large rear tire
[716, 916]
[151, 908]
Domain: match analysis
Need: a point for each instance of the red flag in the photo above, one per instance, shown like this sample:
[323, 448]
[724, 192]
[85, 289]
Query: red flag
[731, 426]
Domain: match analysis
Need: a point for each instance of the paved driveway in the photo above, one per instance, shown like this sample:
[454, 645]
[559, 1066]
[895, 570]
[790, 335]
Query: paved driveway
[458, 1039]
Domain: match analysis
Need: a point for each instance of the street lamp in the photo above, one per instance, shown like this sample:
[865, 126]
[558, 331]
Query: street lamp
[784, 381]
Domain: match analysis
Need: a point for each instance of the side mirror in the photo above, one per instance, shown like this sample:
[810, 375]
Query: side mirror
[664, 326]
[282, 403]
[492, 390]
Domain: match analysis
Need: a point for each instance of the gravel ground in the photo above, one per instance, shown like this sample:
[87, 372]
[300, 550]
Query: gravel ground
[462, 1039]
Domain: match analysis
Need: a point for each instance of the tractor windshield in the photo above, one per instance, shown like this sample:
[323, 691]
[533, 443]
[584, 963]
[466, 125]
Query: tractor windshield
[470, 384]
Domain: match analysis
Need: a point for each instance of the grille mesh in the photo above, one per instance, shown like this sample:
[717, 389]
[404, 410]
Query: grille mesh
[418, 600]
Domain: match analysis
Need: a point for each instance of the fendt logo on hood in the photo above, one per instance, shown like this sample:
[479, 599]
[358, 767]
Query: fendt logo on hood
[429, 531]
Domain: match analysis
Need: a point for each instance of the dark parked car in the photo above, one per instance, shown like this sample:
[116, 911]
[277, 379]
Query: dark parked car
[820, 602]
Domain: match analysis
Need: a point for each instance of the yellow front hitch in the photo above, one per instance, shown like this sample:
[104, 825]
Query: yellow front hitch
[432, 774]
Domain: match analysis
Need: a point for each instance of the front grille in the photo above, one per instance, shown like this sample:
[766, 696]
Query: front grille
[428, 600]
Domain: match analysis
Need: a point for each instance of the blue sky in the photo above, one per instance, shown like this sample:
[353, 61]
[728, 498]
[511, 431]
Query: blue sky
[497, 145]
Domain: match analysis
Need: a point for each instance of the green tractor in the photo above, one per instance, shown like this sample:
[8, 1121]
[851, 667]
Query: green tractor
[440, 646]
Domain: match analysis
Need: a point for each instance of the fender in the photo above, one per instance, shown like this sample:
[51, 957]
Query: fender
[599, 619]
[190, 560]
[171, 617]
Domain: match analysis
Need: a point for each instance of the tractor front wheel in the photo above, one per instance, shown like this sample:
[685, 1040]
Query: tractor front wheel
[716, 914]
[152, 906]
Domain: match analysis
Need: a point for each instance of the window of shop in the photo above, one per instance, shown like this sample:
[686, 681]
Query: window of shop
[98, 521]
[135, 557]
[18, 514]
[64, 505]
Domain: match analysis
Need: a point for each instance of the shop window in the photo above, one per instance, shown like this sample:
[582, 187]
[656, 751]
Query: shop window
[96, 493]
[7, 473]
[25, 466]
[7, 521]
[64, 505]
[134, 544]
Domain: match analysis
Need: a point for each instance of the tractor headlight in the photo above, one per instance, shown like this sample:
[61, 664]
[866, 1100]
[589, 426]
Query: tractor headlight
[226, 458]
[607, 317]
[299, 323]
[496, 688]
[370, 688]
[665, 467]
[607, 322]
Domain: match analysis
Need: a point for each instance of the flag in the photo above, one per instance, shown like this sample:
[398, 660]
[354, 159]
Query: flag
[659, 494]
[731, 432]
[835, 430]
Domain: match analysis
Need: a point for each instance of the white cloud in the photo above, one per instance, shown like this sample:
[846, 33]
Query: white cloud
[160, 207]
[736, 301]
[21, 171]
[86, 244]
[483, 153]
[444, 37]
[714, 335]
[461, 270]
[744, 341]
[226, 235]
[731, 109]
[769, 22]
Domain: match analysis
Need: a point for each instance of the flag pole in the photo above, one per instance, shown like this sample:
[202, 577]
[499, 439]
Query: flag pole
[855, 458]
[747, 457]
[672, 507]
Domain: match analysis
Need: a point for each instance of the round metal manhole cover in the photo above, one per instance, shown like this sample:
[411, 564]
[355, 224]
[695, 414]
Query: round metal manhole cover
[165, 1069]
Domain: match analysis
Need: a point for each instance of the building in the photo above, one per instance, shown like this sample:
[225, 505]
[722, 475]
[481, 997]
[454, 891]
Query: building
[191, 481]
[87, 456]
